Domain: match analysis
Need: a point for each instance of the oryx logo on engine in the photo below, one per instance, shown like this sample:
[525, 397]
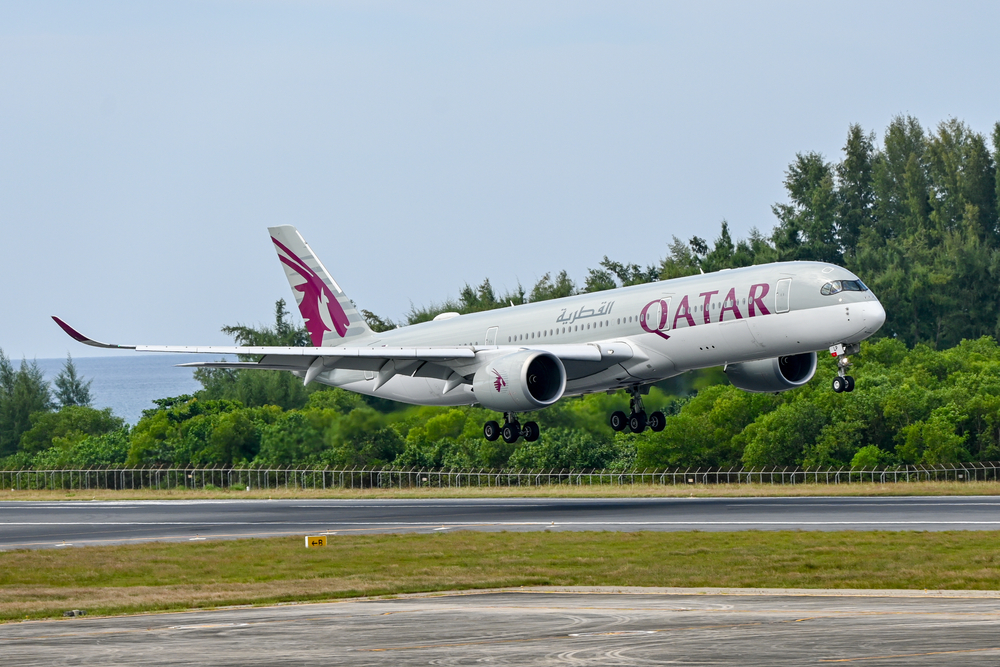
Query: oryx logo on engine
[499, 381]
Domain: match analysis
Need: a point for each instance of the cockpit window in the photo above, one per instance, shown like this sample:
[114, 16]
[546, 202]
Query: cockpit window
[838, 286]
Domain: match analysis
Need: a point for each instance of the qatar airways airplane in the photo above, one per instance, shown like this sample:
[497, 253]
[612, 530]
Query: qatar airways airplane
[762, 324]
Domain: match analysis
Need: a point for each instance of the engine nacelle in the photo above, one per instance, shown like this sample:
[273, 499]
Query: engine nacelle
[527, 380]
[772, 375]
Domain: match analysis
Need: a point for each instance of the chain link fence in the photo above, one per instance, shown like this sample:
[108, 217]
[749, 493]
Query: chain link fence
[394, 478]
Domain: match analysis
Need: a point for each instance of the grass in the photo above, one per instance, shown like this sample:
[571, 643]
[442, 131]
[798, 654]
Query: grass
[171, 576]
[545, 491]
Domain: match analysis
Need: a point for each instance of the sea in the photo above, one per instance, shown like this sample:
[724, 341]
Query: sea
[128, 383]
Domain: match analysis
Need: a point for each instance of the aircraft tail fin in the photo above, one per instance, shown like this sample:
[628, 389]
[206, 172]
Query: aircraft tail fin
[330, 316]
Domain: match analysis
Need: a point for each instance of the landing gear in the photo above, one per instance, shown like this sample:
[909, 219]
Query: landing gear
[843, 381]
[619, 420]
[530, 431]
[637, 421]
[511, 430]
[657, 421]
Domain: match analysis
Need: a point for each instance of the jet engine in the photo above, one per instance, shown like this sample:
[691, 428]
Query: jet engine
[773, 375]
[526, 380]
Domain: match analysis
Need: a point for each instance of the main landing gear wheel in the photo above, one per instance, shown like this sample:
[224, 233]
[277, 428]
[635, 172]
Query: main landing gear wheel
[491, 430]
[510, 432]
[657, 421]
[619, 420]
[637, 422]
[530, 431]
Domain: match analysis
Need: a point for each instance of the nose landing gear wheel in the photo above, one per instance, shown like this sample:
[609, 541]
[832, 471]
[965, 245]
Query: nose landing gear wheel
[657, 421]
[637, 422]
[849, 383]
[491, 430]
[530, 431]
[839, 384]
[619, 420]
[511, 432]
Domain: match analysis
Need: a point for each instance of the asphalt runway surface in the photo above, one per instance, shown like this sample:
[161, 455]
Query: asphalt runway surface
[34, 524]
[538, 628]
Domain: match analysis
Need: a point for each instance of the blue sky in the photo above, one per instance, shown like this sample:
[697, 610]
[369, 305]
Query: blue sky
[146, 146]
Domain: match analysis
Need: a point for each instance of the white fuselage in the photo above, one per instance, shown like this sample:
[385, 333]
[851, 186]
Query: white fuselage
[669, 327]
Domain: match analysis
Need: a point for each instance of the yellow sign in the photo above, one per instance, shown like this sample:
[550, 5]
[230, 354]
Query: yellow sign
[315, 541]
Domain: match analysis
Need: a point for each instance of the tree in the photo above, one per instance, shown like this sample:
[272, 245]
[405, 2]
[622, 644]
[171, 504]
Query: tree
[376, 323]
[70, 387]
[22, 393]
[253, 387]
[807, 226]
[546, 288]
[856, 193]
[67, 427]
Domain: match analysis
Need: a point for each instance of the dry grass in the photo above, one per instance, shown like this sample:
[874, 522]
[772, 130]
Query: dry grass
[161, 576]
[547, 491]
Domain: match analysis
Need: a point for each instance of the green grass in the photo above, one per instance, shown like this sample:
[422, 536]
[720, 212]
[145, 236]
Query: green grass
[164, 576]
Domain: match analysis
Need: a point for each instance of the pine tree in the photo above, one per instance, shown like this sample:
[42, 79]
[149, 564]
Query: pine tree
[22, 393]
[70, 387]
[855, 190]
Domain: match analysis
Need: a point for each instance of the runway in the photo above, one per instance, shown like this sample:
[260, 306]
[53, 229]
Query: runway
[79, 523]
[536, 627]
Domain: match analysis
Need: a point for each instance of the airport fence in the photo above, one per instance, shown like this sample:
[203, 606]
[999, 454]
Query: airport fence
[268, 478]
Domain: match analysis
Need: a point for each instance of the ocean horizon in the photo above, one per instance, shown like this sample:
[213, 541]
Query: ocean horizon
[129, 384]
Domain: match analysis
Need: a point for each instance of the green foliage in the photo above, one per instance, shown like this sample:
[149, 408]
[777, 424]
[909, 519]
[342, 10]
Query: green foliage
[22, 393]
[67, 427]
[70, 387]
[92, 451]
[376, 323]
[255, 388]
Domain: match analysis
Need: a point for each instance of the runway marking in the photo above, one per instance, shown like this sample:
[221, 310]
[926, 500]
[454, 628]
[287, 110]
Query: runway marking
[910, 655]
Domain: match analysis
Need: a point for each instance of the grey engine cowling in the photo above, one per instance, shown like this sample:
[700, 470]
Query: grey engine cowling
[771, 375]
[519, 382]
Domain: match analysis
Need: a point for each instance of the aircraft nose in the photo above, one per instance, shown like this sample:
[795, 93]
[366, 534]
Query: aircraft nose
[874, 316]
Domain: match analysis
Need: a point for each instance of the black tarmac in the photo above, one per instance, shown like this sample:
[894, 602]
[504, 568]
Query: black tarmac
[77, 523]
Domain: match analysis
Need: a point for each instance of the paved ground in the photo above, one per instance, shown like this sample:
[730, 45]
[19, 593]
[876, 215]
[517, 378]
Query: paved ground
[49, 524]
[538, 628]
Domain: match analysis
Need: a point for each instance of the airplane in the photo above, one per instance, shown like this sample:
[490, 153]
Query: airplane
[763, 324]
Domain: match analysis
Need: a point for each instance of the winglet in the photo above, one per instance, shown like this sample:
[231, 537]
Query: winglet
[80, 338]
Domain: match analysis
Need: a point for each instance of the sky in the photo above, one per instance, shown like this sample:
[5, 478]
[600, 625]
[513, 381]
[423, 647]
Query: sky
[145, 147]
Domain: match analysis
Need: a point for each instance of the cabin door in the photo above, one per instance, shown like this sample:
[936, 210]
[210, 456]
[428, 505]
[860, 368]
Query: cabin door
[781, 295]
[491, 335]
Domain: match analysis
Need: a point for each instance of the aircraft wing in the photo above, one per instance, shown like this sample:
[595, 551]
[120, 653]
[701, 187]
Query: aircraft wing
[462, 360]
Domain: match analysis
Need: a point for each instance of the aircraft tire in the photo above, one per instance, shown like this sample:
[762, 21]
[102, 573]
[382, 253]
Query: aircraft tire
[491, 430]
[510, 433]
[619, 420]
[637, 422]
[850, 383]
[530, 431]
[839, 384]
[657, 421]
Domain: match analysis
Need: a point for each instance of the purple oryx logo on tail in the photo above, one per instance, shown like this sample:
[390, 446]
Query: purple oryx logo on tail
[319, 306]
[499, 381]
